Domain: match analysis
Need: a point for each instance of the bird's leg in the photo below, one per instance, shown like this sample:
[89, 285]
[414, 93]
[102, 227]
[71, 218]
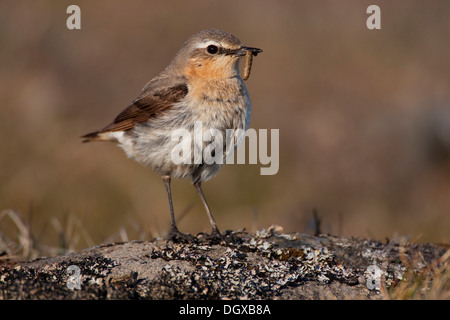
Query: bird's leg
[175, 234]
[215, 230]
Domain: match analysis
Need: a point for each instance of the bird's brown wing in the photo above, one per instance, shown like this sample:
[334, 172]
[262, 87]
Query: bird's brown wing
[143, 109]
[146, 107]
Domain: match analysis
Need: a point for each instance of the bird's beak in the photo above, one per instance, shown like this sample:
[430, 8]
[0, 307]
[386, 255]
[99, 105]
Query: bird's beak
[243, 50]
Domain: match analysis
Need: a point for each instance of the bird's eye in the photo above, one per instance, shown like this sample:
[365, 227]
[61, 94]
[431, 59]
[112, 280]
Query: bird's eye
[212, 49]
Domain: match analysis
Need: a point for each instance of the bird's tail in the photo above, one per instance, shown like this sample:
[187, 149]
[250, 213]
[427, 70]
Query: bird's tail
[93, 136]
[101, 135]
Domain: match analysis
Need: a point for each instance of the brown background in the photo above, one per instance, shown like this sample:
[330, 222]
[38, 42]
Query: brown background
[364, 118]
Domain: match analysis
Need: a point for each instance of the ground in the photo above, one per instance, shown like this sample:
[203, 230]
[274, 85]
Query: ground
[266, 265]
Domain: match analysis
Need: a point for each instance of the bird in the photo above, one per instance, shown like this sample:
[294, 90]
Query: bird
[202, 84]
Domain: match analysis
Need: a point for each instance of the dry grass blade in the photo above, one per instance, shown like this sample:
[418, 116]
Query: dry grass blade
[422, 281]
[24, 243]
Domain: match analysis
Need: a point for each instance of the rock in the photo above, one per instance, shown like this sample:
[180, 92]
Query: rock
[266, 265]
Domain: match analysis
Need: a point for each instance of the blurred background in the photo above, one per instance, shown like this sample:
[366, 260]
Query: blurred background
[364, 120]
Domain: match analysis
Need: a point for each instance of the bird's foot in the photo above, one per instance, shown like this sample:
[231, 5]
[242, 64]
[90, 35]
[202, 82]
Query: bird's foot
[214, 237]
[177, 236]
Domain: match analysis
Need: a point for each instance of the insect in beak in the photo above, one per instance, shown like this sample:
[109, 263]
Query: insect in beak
[249, 52]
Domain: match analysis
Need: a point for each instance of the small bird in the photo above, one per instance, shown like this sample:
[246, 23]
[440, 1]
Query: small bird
[201, 84]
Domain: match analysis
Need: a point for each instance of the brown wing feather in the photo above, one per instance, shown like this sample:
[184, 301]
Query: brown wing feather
[142, 109]
[147, 107]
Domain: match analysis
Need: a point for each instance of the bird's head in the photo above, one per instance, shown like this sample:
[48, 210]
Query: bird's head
[212, 54]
